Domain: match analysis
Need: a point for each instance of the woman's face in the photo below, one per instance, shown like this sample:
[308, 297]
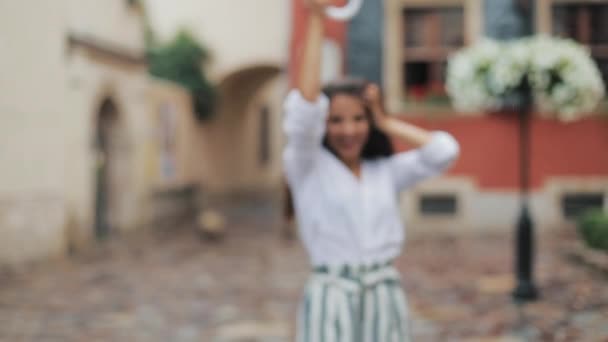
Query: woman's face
[347, 127]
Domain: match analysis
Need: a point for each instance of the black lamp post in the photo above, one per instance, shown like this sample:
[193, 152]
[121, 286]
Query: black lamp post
[525, 289]
[506, 20]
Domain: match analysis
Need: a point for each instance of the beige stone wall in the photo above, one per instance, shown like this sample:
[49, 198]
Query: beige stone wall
[32, 121]
[30, 87]
[53, 91]
[113, 22]
[220, 155]
[92, 80]
[230, 143]
[239, 33]
[172, 168]
[483, 210]
[49, 111]
[149, 111]
[247, 61]
[168, 100]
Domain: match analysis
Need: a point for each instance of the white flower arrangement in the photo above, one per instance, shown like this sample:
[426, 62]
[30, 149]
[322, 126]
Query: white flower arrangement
[562, 76]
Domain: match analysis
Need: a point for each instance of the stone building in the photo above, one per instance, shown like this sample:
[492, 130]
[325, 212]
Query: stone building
[89, 141]
[248, 40]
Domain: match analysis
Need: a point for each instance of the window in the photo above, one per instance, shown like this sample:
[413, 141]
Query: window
[439, 204]
[431, 34]
[167, 120]
[588, 24]
[574, 204]
[264, 150]
[419, 36]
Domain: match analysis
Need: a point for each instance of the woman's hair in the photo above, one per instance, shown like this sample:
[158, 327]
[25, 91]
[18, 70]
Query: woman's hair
[378, 144]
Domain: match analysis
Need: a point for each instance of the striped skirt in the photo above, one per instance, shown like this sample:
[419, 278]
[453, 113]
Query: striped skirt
[354, 304]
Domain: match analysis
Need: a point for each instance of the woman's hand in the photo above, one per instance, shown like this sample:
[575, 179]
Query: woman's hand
[392, 127]
[318, 6]
[373, 99]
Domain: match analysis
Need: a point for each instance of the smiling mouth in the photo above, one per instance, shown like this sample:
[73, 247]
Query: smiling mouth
[348, 144]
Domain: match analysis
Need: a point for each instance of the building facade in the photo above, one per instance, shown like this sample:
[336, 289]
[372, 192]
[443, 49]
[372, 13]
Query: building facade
[241, 144]
[404, 45]
[88, 139]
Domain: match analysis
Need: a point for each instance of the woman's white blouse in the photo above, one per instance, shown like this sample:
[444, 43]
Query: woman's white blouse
[343, 219]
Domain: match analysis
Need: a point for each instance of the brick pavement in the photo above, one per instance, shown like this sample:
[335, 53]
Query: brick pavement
[167, 285]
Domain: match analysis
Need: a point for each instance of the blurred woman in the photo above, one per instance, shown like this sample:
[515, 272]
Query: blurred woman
[345, 181]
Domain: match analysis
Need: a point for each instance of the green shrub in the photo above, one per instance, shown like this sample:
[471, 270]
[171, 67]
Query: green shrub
[593, 229]
[181, 61]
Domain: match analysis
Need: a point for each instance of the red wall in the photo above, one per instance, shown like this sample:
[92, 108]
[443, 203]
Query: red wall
[490, 154]
[489, 144]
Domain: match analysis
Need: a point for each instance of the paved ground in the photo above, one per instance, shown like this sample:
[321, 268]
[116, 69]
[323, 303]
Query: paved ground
[167, 285]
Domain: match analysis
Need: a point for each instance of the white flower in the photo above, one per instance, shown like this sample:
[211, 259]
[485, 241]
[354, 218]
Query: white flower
[563, 77]
[570, 85]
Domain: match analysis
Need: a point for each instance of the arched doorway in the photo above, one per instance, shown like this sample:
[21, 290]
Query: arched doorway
[242, 136]
[108, 145]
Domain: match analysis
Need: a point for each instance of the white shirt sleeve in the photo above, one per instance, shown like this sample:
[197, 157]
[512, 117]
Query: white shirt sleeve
[304, 126]
[410, 167]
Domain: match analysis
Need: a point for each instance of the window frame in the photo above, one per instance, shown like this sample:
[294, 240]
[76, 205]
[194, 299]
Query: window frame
[432, 52]
[394, 48]
[571, 210]
[265, 131]
[427, 208]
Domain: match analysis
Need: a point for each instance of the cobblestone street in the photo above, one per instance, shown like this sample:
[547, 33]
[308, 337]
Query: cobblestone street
[168, 285]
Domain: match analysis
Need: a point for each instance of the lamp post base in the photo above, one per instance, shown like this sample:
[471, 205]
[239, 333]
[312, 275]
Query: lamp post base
[525, 291]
